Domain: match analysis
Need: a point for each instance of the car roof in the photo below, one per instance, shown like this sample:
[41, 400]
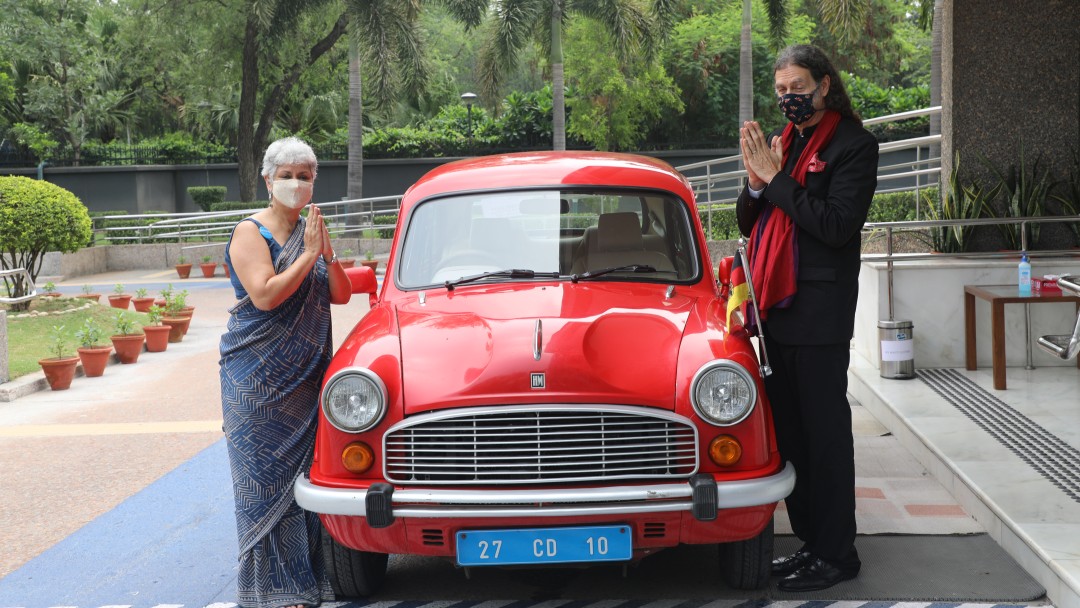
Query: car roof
[547, 169]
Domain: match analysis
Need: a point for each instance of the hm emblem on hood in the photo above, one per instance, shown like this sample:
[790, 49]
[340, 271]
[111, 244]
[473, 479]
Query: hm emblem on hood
[536, 380]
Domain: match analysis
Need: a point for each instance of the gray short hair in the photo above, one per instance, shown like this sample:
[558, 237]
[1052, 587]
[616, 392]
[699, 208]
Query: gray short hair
[288, 151]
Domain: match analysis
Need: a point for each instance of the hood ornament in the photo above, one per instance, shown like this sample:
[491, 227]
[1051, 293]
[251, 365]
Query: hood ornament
[538, 340]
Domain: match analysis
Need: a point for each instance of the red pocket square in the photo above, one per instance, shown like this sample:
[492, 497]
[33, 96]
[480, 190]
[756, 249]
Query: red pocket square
[816, 165]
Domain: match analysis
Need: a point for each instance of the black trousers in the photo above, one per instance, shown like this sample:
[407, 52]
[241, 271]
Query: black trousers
[808, 393]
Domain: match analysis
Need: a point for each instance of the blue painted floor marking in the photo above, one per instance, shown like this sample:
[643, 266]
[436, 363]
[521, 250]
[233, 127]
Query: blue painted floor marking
[174, 542]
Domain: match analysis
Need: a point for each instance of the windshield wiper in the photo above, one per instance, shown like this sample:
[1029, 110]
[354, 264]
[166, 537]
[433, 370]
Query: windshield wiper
[592, 274]
[510, 273]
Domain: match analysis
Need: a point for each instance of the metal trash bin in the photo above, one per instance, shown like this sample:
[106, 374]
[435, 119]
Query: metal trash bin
[897, 349]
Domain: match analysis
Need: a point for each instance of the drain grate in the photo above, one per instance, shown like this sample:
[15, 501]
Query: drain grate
[1051, 457]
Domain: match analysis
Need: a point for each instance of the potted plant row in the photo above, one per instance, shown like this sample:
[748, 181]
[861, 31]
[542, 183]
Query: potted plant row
[157, 334]
[183, 267]
[119, 299]
[141, 301]
[127, 343]
[93, 353]
[60, 369]
[208, 266]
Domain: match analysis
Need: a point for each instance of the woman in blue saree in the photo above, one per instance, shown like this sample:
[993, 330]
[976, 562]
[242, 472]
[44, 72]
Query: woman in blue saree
[273, 356]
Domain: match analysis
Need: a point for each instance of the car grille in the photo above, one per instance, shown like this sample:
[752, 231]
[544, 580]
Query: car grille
[515, 444]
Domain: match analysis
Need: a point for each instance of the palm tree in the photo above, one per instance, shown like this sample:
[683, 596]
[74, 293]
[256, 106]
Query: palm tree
[841, 16]
[263, 25]
[515, 23]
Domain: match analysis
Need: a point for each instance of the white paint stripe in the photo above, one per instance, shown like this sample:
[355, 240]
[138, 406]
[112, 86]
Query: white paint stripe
[221, 605]
[169, 606]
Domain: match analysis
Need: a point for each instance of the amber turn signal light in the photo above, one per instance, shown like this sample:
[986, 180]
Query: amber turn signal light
[725, 450]
[357, 457]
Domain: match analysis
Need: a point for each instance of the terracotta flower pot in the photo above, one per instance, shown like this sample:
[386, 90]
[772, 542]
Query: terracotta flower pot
[349, 263]
[128, 346]
[178, 327]
[208, 270]
[59, 372]
[120, 301]
[94, 359]
[52, 294]
[225, 269]
[183, 270]
[372, 264]
[160, 302]
[142, 304]
[89, 296]
[157, 337]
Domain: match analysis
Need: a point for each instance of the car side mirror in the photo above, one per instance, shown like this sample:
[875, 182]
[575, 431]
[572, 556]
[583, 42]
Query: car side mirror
[363, 281]
[723, 273]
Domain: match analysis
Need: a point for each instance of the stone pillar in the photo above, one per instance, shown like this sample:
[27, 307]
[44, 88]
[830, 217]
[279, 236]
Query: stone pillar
[1010, 70]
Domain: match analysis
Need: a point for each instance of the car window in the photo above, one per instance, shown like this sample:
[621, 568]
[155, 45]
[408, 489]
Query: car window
[569, 232]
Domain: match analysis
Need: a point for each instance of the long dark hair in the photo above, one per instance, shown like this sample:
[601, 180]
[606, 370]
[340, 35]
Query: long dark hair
[814, 59]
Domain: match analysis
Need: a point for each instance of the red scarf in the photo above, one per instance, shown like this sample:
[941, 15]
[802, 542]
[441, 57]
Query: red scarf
[773, 248]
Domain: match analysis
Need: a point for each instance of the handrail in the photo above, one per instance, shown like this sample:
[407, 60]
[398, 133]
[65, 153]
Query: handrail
[31, 291]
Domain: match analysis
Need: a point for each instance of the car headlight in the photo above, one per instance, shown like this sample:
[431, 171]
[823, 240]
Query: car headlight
[723, 392]
[354, 400]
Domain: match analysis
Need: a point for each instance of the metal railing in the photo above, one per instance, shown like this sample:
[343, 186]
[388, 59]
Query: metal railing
[717, 183]
[715, 190]
[344, 218]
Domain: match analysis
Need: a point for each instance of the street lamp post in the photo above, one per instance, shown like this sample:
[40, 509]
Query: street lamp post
[469, 99]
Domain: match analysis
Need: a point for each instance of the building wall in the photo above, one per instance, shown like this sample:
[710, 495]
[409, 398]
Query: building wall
[1011, 73]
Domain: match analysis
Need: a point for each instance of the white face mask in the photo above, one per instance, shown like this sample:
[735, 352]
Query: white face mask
[292, 193]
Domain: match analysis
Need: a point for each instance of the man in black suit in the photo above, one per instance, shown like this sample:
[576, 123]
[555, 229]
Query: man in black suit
[808, 191]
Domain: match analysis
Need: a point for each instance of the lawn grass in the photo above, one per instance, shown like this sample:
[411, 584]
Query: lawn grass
[31, 338]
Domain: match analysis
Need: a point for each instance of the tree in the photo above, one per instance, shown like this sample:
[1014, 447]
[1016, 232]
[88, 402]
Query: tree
[515, 23]
[612, 107]
[841, 16]
[36, 217]
[69, 89]
[265, 24]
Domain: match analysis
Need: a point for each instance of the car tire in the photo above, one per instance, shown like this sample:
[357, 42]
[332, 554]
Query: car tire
[747, 564]
[352, 573]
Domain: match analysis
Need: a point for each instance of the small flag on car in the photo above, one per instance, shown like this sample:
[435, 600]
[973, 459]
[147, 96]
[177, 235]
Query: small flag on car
[740, 291]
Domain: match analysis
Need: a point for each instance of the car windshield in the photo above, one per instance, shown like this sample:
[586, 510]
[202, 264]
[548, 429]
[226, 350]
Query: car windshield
[629, 235]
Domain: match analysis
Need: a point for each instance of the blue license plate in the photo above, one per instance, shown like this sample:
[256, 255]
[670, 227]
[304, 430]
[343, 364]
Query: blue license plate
[544, 545]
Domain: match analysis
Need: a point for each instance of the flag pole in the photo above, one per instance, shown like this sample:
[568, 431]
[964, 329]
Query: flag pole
[765, 368]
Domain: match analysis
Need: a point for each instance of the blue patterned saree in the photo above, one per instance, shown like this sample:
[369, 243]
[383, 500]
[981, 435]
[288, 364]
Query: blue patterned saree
[272, 363]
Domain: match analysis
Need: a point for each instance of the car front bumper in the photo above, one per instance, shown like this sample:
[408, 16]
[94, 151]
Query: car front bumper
[383, 503]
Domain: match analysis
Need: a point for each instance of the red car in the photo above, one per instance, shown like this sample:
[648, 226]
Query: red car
[547, 377]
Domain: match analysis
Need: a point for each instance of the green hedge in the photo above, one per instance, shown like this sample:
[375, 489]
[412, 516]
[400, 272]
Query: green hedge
[897, 206]
[206, 196]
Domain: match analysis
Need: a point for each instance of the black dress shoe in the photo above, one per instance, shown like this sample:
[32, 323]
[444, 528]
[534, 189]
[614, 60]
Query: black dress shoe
[817, 574]
[783, 566]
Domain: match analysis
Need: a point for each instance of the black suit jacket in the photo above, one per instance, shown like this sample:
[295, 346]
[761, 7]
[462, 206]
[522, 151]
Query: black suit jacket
[829, 213]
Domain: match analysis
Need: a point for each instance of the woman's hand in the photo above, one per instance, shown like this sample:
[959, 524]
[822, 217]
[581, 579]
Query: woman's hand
[761, 160]
[313, 232]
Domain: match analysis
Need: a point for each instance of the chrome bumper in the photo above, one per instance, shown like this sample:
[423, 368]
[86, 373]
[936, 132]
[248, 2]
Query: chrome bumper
[621, 500]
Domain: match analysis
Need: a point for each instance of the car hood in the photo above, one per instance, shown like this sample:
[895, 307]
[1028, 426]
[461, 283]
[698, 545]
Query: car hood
[593, 343]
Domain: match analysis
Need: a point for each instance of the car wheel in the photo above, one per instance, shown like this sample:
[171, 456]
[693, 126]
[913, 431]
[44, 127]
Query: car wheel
[352, 573]
[746, 564]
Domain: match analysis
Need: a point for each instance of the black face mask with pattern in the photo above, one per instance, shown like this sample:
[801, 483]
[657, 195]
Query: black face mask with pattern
[798, 107]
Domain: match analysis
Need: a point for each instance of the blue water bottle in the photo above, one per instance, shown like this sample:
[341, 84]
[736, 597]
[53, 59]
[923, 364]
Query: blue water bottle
[1025, 276]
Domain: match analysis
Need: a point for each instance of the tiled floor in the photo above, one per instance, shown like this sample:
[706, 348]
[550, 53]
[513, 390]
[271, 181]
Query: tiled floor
[1010, 458]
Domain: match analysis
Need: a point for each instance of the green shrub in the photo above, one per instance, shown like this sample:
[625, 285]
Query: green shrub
[897, 206]
[37, 217]
[206, 196]
[724, 225]
[384, 219]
